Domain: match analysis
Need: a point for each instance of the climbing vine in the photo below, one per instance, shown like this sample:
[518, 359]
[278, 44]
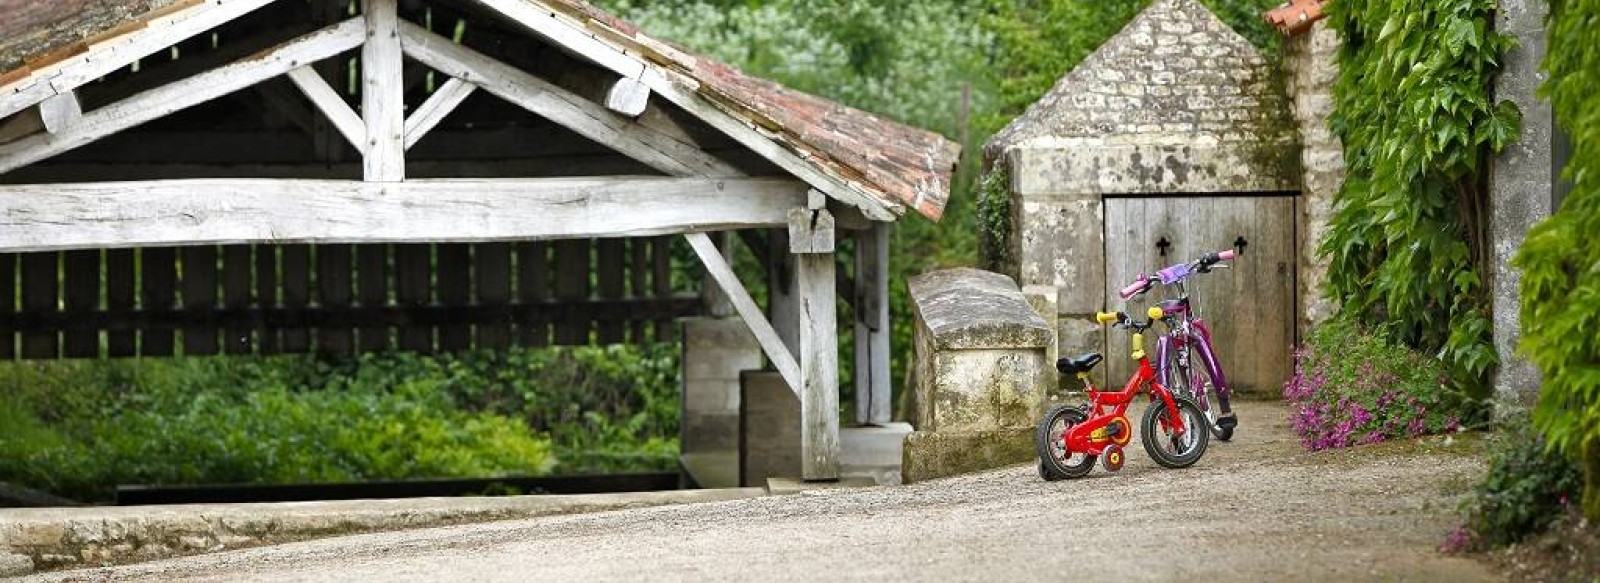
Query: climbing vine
[1561, 258]
[1413, 108]
[994, 220]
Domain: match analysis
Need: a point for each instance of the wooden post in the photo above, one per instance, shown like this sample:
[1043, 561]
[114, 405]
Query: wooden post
[811, 240]
[872, 325]
[382, 96]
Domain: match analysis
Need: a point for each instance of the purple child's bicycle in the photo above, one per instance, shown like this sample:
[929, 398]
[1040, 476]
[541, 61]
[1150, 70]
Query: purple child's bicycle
[1188, 338]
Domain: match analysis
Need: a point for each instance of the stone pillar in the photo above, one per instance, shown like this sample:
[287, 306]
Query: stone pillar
[769, 429]
[1312, 67]
[1521, 189]
[715, 352]
[981, 374]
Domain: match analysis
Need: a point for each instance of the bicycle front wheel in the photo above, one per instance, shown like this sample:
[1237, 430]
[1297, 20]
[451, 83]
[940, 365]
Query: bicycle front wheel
[1192, 378]
[1165, 444]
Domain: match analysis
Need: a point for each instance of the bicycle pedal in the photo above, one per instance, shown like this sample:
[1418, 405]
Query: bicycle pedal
[1229, 421]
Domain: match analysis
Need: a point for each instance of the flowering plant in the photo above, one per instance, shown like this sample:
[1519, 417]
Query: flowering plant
[1353, 387]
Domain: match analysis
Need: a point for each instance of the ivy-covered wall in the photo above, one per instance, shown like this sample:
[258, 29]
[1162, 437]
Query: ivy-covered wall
[1561, 256]
[1414, 111]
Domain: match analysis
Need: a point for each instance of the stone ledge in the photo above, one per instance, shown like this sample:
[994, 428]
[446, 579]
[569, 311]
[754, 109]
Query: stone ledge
[967, 309]
[57, 538]
[930, 454]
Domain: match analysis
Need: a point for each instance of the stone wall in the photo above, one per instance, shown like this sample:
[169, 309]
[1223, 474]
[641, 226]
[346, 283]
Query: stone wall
[981, 376]
[1311, 69]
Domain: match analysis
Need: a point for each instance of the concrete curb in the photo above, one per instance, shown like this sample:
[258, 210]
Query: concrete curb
[56, 538]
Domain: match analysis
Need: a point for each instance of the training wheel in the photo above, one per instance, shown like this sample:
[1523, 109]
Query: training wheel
[1112, 458]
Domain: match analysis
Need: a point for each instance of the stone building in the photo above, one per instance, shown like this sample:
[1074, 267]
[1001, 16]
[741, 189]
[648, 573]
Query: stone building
[1175, 138]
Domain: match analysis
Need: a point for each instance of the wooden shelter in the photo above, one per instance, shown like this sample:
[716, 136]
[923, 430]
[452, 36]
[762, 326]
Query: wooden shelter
[260, 176]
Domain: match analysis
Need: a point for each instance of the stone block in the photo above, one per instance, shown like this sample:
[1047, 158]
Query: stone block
[980, 352]
[873, 452]
[769, 432]
[715, 352]
[939, 454]
[12, 565]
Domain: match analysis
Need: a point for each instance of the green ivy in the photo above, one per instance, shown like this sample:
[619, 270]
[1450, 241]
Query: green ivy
[1413, 108]
[1561, 258]
[994, 220]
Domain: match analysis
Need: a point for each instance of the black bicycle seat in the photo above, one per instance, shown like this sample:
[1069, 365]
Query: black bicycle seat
[1084, 363]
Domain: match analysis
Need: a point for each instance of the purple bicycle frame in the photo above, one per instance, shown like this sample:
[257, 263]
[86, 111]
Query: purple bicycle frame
[1192, 332]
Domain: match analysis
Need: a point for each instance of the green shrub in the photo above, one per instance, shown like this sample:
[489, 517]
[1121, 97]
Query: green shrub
[1526, 488]
[1413, 109]
[1561, 256]
[1352, 387]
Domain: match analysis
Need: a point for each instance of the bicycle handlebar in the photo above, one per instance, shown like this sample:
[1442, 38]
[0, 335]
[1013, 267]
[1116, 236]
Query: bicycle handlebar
[1145, 283]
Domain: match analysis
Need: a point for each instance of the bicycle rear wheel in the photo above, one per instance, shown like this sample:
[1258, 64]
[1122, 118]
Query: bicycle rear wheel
[1191, 378]
[1055, 460]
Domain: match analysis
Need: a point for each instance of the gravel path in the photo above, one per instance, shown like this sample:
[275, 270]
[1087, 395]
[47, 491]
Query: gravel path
[1255, 509]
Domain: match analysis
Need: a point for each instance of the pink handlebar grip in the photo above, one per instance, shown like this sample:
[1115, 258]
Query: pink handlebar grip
[1135, 287]
[1227, 255]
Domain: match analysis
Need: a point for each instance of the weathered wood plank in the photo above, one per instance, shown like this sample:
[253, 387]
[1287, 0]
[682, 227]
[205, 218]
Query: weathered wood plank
[382, 94]
[819, 367]
[613, 279]
[533, 287]
[661, 282]
[162, 101]
[628, 97]
[269, 338]
[764, 146]
[237, 267]
[332, 106]
[439, 105]
[573, 263]
[454, 274]
[81, 284]
[491, 264]
[40, 289]
[372, 285]
[199, 283]
[60, 112]
[105, 57]
[638, 282]
[232, 211]
[8, 304]
[295, 284]
[565, 34]
[157, 283]
[563, 107]
[122, 294]
[717, 266]
[871, 372]
[413, 289]
[333, 292]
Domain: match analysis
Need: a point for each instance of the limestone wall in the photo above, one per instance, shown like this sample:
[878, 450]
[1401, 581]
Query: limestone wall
[1311, 69]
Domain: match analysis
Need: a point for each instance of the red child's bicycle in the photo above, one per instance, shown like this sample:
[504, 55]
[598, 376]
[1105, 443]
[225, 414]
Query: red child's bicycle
[1071, 437]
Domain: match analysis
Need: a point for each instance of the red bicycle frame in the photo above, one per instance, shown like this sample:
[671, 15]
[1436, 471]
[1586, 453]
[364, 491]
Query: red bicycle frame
[1105, 407]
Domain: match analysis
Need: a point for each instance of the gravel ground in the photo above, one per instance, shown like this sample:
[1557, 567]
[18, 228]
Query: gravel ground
[1255, 509]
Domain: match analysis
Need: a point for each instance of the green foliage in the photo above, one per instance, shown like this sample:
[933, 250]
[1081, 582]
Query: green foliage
[1353, 387]
[1560, 259]
[1413, 109]
[1526, 488]
[84, 427]
[994, 220]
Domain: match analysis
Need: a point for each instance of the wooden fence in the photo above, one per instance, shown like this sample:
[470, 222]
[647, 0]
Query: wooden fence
[339, 299]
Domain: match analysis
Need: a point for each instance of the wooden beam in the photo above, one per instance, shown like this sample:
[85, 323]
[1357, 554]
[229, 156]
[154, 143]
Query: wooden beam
[819, 358]
[332, 106]
[237, 211]
[382, 95]
[567, 35]
[162, 101]
[563, 107]
[763, 145]
[872, 387]
[628, 97]
[443, 101]
[717, 266]
[105, 56]
[60, 112]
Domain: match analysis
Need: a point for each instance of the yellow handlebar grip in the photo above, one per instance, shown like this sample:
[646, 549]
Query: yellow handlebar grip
[1155, 312]
[1106, 317]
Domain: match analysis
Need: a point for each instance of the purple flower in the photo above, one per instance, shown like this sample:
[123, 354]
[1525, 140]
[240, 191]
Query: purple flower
[1373, 437]
[1416, 427]
[1452, 425]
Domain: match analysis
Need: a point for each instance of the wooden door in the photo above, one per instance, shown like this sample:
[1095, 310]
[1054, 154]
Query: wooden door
[1250, 307]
